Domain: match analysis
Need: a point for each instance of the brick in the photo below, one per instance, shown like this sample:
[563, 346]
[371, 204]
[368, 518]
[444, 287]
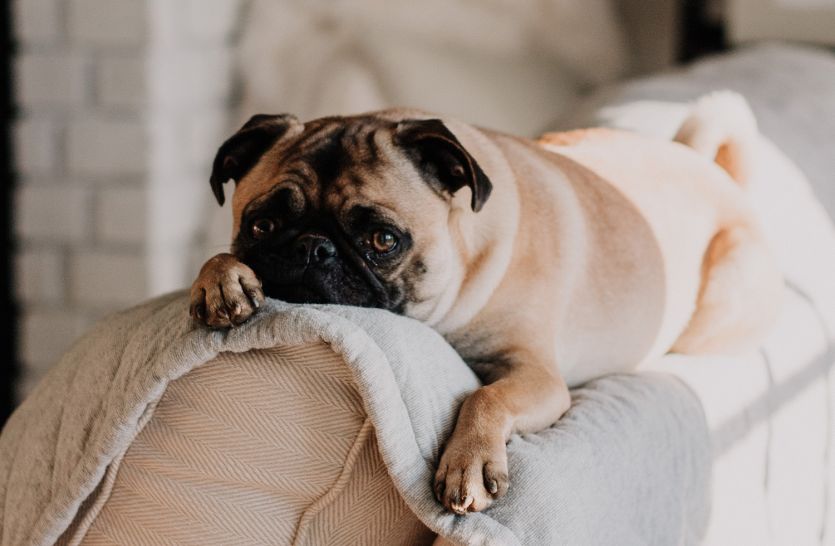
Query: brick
[121, 215]
[120, 81]
[47, 334]
[103, 147]
[108, 22]
[35, 145]
[174, 214]
[190, 79]
[52, 213]
[170, 267]
[51, 79]
[37, 21]
[39, 276]
[212, 20]
[107, 279]
[205, 133]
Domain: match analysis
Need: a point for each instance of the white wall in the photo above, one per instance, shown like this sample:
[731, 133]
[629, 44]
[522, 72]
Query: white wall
[124, 102]
[191, 75]
[121, 104]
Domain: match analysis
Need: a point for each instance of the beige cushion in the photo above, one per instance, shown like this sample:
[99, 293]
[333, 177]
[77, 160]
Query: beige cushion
[264, 447]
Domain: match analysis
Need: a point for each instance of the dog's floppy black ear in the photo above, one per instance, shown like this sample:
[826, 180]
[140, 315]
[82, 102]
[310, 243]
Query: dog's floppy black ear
[441, 155]
[243, 149]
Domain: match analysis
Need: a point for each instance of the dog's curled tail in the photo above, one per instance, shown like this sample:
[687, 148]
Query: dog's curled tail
[722, 126]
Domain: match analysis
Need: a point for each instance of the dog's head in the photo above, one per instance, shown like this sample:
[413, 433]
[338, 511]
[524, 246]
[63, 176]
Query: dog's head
[349, 210]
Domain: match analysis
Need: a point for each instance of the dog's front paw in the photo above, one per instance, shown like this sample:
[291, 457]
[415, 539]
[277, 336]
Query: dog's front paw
[472, 473]
[226, 293]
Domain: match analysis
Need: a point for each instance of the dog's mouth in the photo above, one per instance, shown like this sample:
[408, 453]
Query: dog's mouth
[334, 282]
[300, 291]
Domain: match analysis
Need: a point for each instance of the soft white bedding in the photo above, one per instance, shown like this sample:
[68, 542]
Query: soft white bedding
[770, 412]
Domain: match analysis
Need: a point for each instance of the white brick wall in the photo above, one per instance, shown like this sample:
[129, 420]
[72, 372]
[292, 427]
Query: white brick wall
[36, 146]
[55, 78]
[122, 104]
[108, 22]
[52, 213]
[211, 20]
[191, 86]
[120, 81]
[121, 215]
[40, 273]
[38, 21]
[107, 279]
[107, 147]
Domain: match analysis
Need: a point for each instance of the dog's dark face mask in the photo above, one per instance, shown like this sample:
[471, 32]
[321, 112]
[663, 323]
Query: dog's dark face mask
[331, 211]
[305, 254]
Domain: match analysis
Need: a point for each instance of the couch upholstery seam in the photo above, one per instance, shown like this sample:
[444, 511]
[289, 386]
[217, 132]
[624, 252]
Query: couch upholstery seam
[338, 486]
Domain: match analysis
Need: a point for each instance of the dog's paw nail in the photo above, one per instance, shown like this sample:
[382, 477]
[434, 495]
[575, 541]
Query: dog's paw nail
[461, 507]
[254, 297]
[493, 487]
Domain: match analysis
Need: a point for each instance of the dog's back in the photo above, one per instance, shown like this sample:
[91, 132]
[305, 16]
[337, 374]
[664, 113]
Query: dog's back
[689, 190]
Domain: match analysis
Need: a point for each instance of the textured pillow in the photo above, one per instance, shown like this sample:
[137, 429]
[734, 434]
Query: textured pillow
[277, 439]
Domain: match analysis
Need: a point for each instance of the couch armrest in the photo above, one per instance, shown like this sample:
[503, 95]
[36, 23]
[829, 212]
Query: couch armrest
[268, 446]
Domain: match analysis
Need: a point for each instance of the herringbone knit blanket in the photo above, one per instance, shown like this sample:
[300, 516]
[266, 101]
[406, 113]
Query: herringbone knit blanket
[629, 464]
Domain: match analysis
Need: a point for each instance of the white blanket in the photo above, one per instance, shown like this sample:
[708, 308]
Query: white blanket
[56, 448]
[769, 413]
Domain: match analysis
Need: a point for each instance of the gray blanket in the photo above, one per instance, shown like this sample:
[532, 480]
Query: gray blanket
[588, 480]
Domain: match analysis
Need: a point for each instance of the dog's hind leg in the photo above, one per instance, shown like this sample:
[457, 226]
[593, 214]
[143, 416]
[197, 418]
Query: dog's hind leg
[739, 297]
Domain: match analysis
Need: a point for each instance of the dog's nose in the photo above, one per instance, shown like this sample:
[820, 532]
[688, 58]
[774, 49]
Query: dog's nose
[313, 248]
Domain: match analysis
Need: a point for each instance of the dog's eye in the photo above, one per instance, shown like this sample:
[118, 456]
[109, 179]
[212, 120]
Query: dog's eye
[262, 227]
[383, 241]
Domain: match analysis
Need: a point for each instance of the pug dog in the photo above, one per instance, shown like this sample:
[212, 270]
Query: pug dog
[544, 263]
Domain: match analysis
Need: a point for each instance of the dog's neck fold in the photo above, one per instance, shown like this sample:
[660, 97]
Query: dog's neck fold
[484, 239]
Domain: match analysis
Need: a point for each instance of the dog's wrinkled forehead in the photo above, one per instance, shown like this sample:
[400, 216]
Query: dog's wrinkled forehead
[330, 143]
[329, 150]
[332, 161]
[329, 160]
[336, 157]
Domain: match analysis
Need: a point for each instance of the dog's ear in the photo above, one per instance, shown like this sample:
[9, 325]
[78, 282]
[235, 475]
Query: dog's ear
[439, 154]
[243, 149]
